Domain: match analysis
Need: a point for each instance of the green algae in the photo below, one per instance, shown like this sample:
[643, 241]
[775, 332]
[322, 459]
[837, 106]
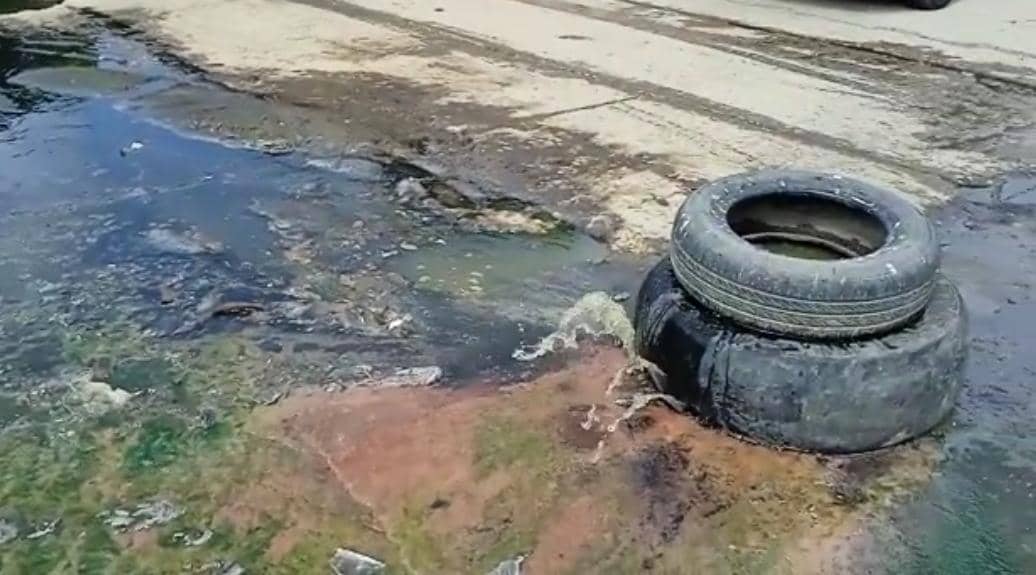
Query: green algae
[503, 442]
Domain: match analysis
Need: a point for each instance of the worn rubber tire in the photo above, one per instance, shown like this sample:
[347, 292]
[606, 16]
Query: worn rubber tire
[839, 299]
[929, 4]
[815, 396]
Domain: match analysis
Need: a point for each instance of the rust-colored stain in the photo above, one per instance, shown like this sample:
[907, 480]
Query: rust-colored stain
[659, 492]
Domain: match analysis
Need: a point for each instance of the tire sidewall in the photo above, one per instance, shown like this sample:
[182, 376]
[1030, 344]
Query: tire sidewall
[908, 261]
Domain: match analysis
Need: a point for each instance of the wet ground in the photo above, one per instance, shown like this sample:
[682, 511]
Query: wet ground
[192, 330]
[135, 251]
[978, 515]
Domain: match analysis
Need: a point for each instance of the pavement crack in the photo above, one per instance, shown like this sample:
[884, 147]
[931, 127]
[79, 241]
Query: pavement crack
[605, 104]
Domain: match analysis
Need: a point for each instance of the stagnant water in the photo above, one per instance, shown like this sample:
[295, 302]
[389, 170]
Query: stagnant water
[191, 277]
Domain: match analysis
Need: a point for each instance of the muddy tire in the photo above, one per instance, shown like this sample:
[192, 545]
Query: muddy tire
[865, 263]
[814, 396]
[929, 4]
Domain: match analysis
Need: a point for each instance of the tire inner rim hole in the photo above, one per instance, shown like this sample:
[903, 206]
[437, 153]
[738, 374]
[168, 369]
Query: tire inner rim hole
[807, 226]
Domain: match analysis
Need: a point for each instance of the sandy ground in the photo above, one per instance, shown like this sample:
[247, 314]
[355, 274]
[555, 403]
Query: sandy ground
[616, 108]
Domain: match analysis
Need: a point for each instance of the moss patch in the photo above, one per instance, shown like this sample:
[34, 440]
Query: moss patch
[503, 442]
[420, 549]
[39, 556]
[42, 473]
[140, 374]
[163, 440]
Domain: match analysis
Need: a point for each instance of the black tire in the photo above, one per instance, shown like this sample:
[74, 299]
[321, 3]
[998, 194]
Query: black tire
[929, 4]
[888, 254]
[814, 396]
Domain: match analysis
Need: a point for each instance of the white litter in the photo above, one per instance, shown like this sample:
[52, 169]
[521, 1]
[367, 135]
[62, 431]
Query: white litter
[409, 377]
[509, 567]
[346, 562]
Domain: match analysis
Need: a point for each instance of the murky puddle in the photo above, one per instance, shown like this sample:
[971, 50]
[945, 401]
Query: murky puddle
[175, 227]
[155, 285]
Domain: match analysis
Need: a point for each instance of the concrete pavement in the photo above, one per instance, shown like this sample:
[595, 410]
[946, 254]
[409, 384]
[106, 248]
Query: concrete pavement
[613, 109]
[974, 31]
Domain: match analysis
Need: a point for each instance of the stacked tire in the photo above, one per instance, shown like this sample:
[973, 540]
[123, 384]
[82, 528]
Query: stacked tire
[805, 310]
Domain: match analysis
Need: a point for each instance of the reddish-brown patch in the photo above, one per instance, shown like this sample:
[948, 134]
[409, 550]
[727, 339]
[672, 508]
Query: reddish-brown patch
[700, 492]
[466, 506]
[387, 446]
[574, 532]
[300, 494]
[268, 496]
[578, 426]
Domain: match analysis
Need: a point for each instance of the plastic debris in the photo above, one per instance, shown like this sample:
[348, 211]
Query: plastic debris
[155, 513]
[356, 168]
[410, 377]
[347, 562]
[8, 531]
[199, 540]
[642, 400]
[400, 322]
[189, 541]
[591, 418]
[47, 528]
[222, 567]
[119, 520]
[143, 516]
[133, 147]
[363, 370]
[98, 396]
[509, 567]
[187, 244]
[275, 398]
